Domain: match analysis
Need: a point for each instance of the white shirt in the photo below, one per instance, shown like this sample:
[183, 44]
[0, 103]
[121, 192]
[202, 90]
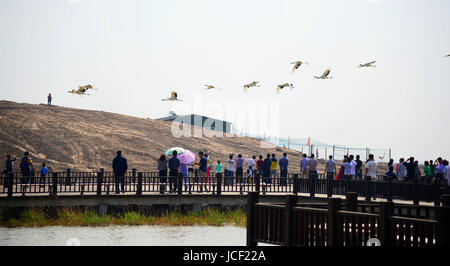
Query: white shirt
[372, 169]
[230, 165]
[250, 162]
[353, 167]
[347, 168]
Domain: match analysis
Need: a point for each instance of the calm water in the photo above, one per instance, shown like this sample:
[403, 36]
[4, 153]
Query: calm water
[124, 235]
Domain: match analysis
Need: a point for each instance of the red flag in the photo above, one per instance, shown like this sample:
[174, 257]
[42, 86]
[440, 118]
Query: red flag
[309, 142]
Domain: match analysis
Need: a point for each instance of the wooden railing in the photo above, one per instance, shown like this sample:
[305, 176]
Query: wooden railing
[140, 183]
[351, 224]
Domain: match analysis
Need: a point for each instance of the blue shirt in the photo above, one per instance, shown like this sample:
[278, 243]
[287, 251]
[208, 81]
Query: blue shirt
[203, 164]
[440, 169]
[184, 169]
[304, 164]
[284, 162]
[44, 170]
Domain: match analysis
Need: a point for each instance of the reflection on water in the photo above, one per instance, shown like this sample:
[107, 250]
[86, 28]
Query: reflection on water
[125, 236]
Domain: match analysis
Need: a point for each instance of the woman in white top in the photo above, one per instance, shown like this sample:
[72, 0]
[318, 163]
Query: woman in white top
[230, 171]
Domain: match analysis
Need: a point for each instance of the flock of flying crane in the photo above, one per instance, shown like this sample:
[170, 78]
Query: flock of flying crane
[297, 64]
[174, 95]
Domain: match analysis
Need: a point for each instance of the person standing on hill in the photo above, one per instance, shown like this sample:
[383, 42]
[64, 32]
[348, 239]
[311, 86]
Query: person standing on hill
[162, 168]
[304, 166]
[284, 163]
[312, 162]
[120, 167]
[49, 99]
[371, 167]
[174, 166]
[26, 166]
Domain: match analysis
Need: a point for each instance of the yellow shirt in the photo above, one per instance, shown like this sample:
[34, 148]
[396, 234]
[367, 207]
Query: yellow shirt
[273, 165]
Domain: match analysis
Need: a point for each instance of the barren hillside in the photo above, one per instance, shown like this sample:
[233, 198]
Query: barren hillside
[88, 140]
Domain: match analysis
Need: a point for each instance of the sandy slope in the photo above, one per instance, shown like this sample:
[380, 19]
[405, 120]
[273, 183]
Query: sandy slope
[87, 140]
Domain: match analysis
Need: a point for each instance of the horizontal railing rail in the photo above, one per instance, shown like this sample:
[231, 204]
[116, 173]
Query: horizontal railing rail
[104, 183]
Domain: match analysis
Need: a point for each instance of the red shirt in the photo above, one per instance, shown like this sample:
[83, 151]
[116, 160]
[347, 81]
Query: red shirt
[259, 164]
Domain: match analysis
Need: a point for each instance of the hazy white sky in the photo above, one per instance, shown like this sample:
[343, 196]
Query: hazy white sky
[136, 52]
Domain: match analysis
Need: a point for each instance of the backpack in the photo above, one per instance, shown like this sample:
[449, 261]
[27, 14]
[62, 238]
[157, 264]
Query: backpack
[25, 163]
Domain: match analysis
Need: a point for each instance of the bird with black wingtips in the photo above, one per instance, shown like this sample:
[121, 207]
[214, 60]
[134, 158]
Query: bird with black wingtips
[325, 75]
[282, 86]
[173, 97]
[252, 84]
[82, 90]
[297, 65]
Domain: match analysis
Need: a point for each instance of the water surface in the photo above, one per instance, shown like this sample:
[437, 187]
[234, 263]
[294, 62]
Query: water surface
[124, 236]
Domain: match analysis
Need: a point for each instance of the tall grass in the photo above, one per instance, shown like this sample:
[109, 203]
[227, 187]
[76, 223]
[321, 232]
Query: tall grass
[69, 217]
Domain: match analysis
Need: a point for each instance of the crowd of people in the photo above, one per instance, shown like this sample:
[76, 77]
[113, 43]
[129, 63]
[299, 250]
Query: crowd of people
[239, 169]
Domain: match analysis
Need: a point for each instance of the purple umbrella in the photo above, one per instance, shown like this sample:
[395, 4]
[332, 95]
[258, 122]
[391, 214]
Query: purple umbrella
[187, 157]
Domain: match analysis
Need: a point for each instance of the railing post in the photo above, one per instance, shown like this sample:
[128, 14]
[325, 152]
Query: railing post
[437, 194]
[180, 183]
[333, 222]
[389, 188]
[312, 187]
[289, 227]
[368, 187]
[443, 238]
[54, 192]
[252, 199]
[68, 180]
[257, 182]
[133, 175]
[330, 183]
[385, 227]
[10, 177]
[219, 183]
[139, 184]
[295, 188]
[347, 184]
[352, 201]
[416, 191]
[99, 183]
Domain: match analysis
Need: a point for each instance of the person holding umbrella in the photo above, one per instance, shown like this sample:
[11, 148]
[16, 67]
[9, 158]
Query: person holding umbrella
[186, 159]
